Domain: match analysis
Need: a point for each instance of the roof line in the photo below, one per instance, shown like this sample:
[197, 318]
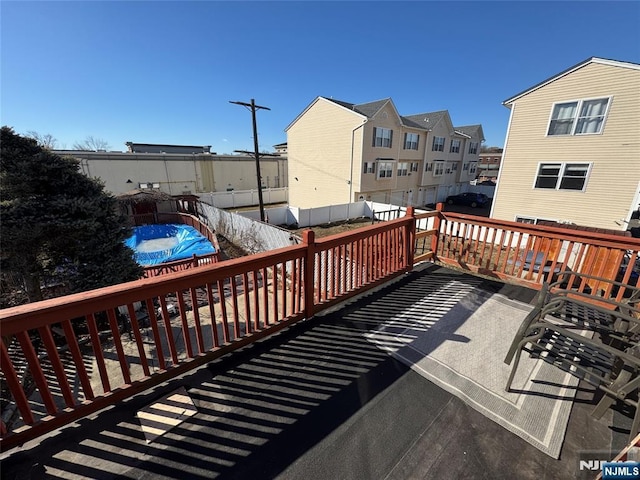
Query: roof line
[603, 61]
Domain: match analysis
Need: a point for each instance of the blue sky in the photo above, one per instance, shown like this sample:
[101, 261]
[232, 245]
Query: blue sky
[164, 72]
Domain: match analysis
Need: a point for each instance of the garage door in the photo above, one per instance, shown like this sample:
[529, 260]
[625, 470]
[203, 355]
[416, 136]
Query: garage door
[397, 198]
[429, 196]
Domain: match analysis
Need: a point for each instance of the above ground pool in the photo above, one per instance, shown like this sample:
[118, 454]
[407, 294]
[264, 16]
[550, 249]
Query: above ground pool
[154, 244]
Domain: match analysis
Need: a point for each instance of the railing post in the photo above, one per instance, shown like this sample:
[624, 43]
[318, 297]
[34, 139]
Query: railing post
[410, 231]
[195, 260]
[309, 240]
[436, 226]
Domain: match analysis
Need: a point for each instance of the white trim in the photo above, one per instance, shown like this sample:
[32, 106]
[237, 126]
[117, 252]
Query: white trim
[502, 159]
[457, 132]
[563, 166]
[438, 162]
[635, 205]
[579, 102]
[393, 164]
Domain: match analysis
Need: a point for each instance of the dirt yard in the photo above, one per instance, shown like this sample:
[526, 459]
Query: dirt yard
[333, 228]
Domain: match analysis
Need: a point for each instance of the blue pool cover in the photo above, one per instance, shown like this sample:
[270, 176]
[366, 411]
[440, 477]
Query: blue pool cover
[154, 244]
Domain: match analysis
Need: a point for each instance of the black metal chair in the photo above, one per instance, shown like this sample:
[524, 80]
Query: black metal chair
[593, 338]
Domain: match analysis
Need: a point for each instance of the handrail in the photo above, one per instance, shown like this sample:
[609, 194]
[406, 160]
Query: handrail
[193, 316]
[197, 315]
[605, 239]
[531, 254]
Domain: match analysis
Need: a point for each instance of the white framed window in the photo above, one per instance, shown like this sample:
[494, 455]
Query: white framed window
[562, 176]
[578, 117]
[455, 146]
[411, 141]
[438, 144]
[473, 148]
[385, 169]
[428, 167]
[438, 168]
[382, 137]
[527, 220]
[403, 169]
[369, 167]
[465, 166]
[415, 166]
[454, 167]
[473, 167]
[531, 220]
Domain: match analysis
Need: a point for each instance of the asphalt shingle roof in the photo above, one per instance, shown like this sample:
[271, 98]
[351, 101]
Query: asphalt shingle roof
[425, 120]
[468, 129]
[368, 109]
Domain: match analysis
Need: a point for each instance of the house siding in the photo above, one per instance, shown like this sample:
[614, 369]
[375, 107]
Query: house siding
[614, 154]
[320, 144]
[322, 149]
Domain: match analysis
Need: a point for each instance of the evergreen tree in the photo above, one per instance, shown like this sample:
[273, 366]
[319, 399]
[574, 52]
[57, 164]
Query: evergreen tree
[56, 220]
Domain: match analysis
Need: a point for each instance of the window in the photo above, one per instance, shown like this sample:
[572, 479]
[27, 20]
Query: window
[438, 144]
[382, 137]
[473, 148]
[438, 168]
[385, 169]
[369, 167]
[562, 176]
[465, 166]
[403, 169]
[455, 167]
[455, 146]
[415, 166]
[411, 141]
[581, 117]
[472, 168]
[532, 220]
[527, 220]
[428, 167]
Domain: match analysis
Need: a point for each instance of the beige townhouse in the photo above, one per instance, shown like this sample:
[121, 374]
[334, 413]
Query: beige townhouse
[340, 152]
[572, 151]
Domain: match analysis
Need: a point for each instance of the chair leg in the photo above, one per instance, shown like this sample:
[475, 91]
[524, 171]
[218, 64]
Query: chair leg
[620, 387]
[523, 331]
[530, 339]
[635, 427]
[516, 361]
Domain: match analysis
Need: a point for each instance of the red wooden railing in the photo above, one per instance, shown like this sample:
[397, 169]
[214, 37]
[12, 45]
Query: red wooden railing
[180, 265]
[178, 321]
[530, 254]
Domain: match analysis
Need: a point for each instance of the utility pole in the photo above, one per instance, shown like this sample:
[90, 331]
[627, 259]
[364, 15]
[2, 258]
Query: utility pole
[253, 108]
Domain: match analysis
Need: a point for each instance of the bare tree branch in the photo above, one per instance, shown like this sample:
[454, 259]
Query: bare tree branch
[46, 140]
[92, 144]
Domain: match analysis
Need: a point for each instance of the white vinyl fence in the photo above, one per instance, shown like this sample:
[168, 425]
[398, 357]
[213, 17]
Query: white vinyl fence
[244, 198]
[250, 235]
[245, 229]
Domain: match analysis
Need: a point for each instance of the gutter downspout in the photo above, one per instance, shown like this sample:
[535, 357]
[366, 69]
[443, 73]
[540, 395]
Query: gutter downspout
[353, 131]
